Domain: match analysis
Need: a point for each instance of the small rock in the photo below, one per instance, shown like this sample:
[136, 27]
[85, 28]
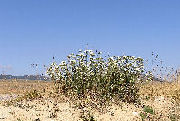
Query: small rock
[37, 119]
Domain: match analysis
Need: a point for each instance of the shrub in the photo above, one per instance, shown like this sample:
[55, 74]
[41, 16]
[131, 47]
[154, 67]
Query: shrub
[91, 74]
[148, 113]
[148, 109]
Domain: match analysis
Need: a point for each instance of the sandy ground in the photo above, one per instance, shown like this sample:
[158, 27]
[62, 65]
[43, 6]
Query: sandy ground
[44, 110]
[49, 109]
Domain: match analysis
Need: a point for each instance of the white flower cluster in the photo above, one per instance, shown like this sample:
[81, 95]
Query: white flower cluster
[87, 72]
[87, 64]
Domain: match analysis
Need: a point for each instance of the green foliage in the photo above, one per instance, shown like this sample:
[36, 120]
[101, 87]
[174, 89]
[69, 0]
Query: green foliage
[143, 116]
[88, 73]
[148, 109]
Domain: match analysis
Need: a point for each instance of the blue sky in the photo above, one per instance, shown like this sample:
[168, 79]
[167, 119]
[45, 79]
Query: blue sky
[33, 31]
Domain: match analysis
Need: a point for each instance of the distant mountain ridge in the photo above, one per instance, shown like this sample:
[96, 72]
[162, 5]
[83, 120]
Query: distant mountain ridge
[25, 77]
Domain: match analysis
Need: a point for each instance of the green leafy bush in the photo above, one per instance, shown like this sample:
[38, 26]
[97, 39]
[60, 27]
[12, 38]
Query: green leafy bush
[148, 109]
[147, 113]
[91, 74]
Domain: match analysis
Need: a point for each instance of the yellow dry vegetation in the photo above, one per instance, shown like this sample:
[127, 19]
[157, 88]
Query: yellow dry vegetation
[165, 89]
[22, 86]
[159, 102]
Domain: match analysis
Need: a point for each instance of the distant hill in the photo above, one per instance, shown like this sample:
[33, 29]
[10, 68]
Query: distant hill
[25, 77]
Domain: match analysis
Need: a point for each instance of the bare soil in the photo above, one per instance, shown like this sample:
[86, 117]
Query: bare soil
[163, 98]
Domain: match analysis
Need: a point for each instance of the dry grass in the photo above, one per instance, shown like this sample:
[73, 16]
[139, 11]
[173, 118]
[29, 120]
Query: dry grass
[162, 100]
[165, 89]
[164, 97]
[22, 86]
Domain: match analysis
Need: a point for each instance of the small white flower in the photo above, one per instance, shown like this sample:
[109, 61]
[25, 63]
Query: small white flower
[62, 63]
[92, 54]
[72, 61]
[135, 113]
[81, 54]
[80, 50]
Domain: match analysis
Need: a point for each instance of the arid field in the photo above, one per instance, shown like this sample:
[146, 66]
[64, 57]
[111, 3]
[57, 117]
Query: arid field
[36, 101]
